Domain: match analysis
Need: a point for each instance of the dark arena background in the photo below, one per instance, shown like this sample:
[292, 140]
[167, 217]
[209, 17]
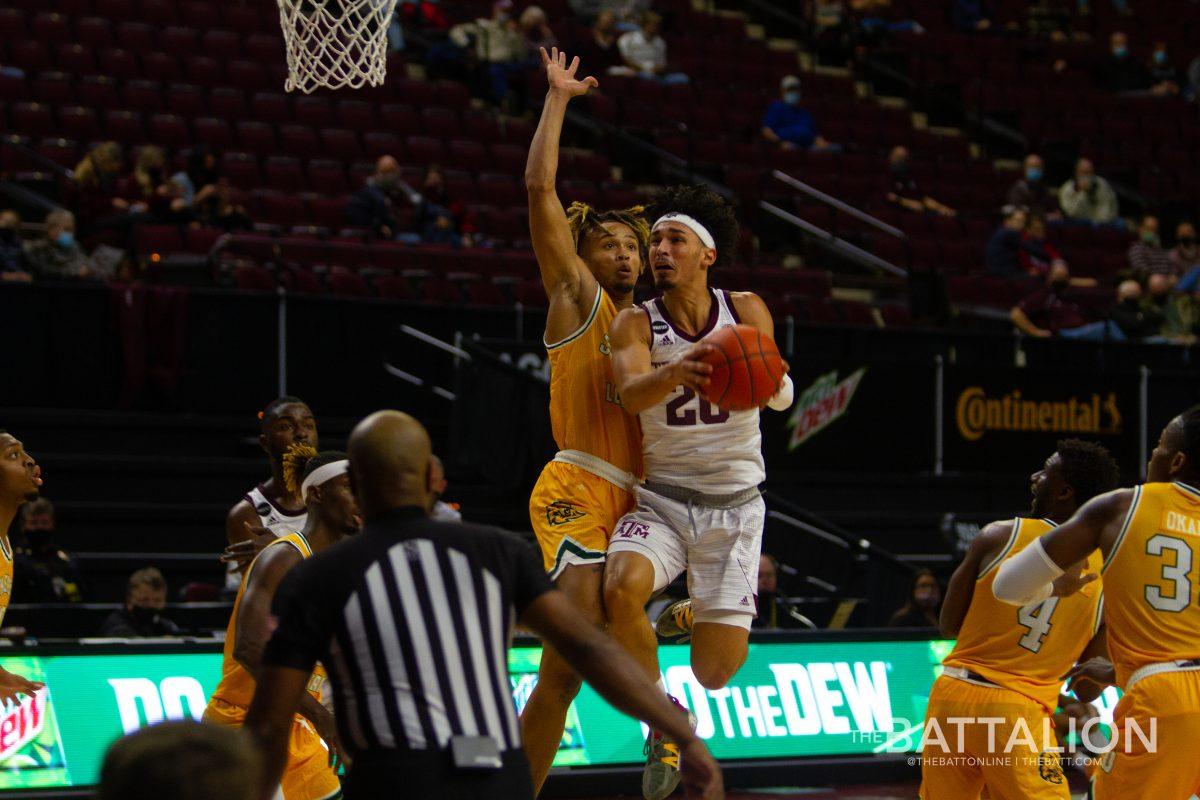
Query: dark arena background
[971, 221]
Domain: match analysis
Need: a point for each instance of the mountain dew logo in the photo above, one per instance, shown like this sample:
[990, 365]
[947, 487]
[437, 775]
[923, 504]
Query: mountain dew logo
[22, 723]
[821, 404]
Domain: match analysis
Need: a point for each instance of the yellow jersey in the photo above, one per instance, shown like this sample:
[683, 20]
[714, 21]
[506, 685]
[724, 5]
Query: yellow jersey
[237, 685]
[1152, 578]
[6, 575]
[585, 408]
[1027, 649]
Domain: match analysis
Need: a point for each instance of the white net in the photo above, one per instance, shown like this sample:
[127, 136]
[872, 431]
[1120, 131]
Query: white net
[335, 44]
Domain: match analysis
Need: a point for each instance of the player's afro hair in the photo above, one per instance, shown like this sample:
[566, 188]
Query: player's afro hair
[706, 206]
[301, 459]
[1088, 469]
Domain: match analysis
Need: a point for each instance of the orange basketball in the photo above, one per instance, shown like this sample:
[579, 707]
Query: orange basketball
[747, 368]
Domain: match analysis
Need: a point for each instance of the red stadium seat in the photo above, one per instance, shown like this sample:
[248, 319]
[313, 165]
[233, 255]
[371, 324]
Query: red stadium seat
[241, 170]
[393, 287]
[252, 277]
[376, 144]
[142, 95]
[256, 137]
[30, 55]
[327, 176]
[13, 88]
[51, 28]
[425, 150]
[328, 212]
[115, 9]
[468, 155]
[53, 88]
[306, 281]
[32, 119]
[314, 111]
[199, 14]
[283, 174]
[442, 123]
[282, 209]
[12, 25]
[508, 158]
[159, 239]
[118, 63]
[270, 107]
[480, 125]
[264, 48]
[213, 132]
[356, 115]
[204, 70]
[401, 120]
[201, 240]
[162, 66]
[343, 282]
[340, 143]
[500, 190]
[160, 12]
[64, 152]
[299, 140]
[221, 44]
[181, 41]
[76, 59]
[79, 122]
[140, 37]
[249, 76]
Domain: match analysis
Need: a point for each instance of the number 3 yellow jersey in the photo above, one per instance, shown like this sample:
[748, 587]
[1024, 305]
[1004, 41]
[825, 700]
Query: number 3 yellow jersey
[1152, 580]
[6, 575]
[1027, 649]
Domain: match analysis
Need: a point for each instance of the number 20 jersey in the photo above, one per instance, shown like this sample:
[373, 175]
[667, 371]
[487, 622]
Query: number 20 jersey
[686, 440]
[1152, 580]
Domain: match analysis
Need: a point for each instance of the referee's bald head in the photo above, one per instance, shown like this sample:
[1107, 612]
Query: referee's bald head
[389, 462]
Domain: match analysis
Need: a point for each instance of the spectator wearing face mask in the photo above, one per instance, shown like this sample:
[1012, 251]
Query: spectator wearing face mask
[59, 256]
[904, 191]
[47, 573]
[598, 51]
[1147, 256]
[149, 189]
[1164, 77]
[1087, 197]
[644, 52]
[12, 250]
[1120, 71]
[1135, 320]
[1183, 315]
[499, 46]
[1050, 309]
[789, 124]
[1038, 255]
[1005, 245]
[924, 603]
[1031, 193]
[141, 616]
[373, 206]
[1186, 253]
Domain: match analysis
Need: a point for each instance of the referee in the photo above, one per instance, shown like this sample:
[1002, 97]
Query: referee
[412, 619]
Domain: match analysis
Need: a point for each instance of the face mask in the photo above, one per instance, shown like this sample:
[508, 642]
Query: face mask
[39, 538]
[926, 598]
[65, 239]
[792, 97]
[1149, 237]
[1033, 174]
[143, 615]
[1120, 51]
[1160, 56]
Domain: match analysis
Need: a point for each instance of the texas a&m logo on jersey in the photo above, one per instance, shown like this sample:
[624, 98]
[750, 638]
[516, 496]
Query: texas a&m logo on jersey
[631, 528]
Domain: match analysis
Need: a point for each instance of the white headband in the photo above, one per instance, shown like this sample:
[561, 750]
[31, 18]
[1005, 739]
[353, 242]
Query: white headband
[694, 224]
[323, 473]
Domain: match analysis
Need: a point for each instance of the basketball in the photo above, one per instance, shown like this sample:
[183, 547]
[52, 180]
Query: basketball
[747, 368]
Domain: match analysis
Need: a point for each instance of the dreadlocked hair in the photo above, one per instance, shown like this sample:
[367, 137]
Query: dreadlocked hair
[1088, 469]
[585, 220]
[708, 208]
[301, 460]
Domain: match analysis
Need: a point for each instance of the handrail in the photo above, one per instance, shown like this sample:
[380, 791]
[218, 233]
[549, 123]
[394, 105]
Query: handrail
[47, 164]
[840, 205]
[841, 245]
[826, 530]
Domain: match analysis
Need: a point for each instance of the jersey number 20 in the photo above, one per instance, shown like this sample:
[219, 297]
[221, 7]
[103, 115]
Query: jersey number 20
[709, 414]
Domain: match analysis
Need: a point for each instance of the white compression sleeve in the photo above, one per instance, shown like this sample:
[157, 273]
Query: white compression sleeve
[782, 400]
[1028, 577]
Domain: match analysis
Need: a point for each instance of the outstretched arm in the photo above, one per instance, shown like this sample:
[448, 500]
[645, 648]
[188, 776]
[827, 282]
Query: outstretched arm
[563, 272]
[638, 382]
[961, 589]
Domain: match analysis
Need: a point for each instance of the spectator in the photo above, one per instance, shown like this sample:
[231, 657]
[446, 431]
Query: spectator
[1038, 255]
[903, 190]
[1147, 256]
[1183, 316]
[1157, 297]
[1088, 197]
[598, 52]
[1120, 71]
[536, 30]
[1134, 320]
[145, 598]
[1186, 253]
[96, 179]
[774, 609]
[373, 205]
[1031, 193]
[923, 605]
[182, 761]
[1049, 310]
[12, 251]
[498, 45]
[971, 15]
[47, 573]
[1001, 253]
[149, 189]
[59, 256]
[1164, 78]
[790, 125]
[442, 511]
[203, 189]
[645, 53]
[443, 219]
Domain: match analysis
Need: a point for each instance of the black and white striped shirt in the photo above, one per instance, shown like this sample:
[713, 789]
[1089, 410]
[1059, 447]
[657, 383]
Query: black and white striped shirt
[412, 619]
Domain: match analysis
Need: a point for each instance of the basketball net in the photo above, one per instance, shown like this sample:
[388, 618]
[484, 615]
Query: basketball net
[335, 44]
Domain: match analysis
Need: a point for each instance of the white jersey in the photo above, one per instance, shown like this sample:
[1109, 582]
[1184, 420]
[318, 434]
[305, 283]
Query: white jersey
[271, 517]
[686, 440]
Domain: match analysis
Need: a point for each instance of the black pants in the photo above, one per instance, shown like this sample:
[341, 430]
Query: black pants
[384, 775]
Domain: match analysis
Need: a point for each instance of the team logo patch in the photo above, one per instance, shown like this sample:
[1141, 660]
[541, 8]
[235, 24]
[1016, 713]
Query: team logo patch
[560, 512]
[631, 528]
[658, 326]
[263, 509]
[1050, 769]
[1106, 763]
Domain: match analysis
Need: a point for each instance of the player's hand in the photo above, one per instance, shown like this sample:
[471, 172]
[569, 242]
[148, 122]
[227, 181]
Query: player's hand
[243, 552]
[562, 77]
[1096, 670]
[1073, 580]
[701, 775]
[688, 369]
[323, 722]
[12, 686]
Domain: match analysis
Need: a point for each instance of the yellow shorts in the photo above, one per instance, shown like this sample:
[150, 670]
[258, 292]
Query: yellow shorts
[308, 775]
[1020, 774]
[574, 513]
[1167, 769]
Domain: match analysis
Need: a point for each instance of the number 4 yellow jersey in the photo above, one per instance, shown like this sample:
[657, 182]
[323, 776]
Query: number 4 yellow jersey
[1027, 649]
[1152, 581]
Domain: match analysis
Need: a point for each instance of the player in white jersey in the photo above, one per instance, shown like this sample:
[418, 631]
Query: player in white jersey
[700, 509]
[270, 506]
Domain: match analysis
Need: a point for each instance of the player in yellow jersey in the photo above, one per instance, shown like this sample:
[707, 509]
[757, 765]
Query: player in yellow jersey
[1149, 537]
[1009, 663]
[321, 480]
[590, 262]
[20, 481]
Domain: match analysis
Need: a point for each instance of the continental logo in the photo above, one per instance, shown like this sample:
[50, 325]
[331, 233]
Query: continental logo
[560, 512]
[977, 414]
